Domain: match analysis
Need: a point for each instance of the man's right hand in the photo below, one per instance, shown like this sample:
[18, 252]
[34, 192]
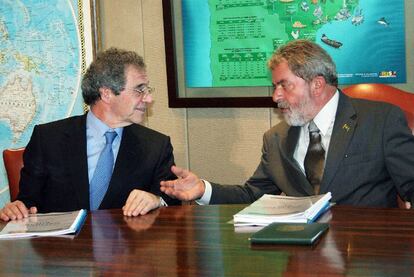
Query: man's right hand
[16, 210]
[186, 188]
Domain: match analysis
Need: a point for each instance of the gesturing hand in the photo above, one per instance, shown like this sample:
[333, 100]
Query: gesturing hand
[187, 187]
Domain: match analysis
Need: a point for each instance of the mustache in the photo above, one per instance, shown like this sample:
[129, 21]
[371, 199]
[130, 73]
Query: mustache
[282, 105]
[142, 108]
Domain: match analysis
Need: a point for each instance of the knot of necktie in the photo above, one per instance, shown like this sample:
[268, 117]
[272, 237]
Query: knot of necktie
[312, 127]
[110, 136]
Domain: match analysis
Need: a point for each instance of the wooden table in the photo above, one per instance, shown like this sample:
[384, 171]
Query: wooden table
[198, 241]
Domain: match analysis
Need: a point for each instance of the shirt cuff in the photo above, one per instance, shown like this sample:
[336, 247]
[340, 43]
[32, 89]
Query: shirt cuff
[163, 203]
[205, 199]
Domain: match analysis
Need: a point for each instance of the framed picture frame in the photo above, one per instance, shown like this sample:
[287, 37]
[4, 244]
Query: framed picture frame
[182, 96]
[89, 30]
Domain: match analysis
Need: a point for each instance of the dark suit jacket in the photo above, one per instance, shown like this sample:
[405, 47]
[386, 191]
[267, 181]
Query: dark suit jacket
[55, 173]
[370, 159]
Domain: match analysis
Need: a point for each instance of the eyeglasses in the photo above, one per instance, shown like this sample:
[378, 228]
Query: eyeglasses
[141, 91]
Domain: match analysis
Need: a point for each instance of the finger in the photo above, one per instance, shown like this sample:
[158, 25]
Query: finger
[170, 183]
[13, 213]
[130, 200]
[147, 205]
[3, 216]
[170, 191]
[134, 210]
[17, 210]
[173, 193]
[33, 210]
[147, 202]
[139, 208]
[22, 208]
[132, 206]
[180, 172]
[165, 189]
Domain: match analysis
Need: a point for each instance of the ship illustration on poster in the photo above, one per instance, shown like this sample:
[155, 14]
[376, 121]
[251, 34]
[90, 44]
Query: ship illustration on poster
[331, 42]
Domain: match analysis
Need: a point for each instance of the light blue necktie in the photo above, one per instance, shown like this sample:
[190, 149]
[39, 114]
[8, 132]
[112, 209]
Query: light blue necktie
[103, 172]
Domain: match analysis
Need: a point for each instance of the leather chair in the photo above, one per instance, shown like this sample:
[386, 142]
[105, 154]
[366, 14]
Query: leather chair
[13, 162]
[389, 94]
[385, 93]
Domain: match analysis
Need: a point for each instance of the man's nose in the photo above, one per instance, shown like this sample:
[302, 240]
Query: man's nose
[147, 98]
[277, 93]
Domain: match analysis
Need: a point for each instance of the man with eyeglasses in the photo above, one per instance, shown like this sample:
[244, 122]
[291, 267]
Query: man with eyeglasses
[103, 159]
[361, 151]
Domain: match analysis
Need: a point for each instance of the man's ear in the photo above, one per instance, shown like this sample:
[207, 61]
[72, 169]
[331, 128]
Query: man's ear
[318, 85]
[106, 94]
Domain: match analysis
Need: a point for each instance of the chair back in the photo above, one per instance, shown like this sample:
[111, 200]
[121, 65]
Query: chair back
[13, 162]
[385, 93]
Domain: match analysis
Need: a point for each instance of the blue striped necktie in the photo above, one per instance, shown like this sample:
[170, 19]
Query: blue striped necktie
[103, 172]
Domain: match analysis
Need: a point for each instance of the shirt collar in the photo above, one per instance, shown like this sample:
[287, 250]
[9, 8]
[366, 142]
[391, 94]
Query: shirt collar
[97, 127]
[326, 115]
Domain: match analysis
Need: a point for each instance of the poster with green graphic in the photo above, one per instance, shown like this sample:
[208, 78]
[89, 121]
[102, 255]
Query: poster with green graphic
[227, 42]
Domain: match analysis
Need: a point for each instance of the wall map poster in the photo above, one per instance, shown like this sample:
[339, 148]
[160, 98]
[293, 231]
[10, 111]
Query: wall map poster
[227, 42]
[44, 47]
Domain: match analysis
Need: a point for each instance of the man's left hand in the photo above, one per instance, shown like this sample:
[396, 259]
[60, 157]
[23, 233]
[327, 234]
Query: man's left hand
[140, 202]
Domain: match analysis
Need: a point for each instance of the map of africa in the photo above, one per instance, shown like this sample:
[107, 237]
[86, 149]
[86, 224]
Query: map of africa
[40, 68]
[228, 42]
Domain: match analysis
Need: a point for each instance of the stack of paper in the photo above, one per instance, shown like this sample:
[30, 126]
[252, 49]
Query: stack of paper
[49, 224]
[287, 209]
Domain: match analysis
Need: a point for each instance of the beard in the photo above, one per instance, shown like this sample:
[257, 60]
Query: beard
[298, 115]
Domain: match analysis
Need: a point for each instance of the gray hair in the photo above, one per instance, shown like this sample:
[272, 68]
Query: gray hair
[307, 60]
[108, 70]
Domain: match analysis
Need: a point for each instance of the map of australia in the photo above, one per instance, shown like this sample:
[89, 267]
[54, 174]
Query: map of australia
[228, 42]
[40, 68]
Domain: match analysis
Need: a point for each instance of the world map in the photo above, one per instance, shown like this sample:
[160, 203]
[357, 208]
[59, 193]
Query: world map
[40, 69]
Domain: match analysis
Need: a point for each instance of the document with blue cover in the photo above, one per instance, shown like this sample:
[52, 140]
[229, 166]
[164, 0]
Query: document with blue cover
[286, 209]
[44, 224]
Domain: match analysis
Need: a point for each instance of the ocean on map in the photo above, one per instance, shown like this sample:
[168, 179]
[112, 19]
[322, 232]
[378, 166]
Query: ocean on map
[369, 46]
[197, 37]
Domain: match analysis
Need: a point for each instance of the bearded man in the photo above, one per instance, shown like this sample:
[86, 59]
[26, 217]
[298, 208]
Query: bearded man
[361, 151]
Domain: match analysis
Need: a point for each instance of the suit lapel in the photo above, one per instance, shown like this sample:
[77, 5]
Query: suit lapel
[342, 133]
[288, 144]
[74, 149]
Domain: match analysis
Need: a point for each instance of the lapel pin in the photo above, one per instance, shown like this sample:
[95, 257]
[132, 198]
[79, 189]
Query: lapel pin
[346, 127]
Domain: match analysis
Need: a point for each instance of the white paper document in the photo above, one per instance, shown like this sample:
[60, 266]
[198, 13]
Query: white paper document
[47, 224]
[276, 208]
